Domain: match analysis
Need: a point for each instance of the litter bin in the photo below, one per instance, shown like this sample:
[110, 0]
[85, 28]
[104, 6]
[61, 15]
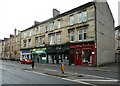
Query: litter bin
[44, 60]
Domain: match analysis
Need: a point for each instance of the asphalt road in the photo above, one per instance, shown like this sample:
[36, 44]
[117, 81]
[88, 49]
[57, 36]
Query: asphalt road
[15, 73]
[14, 76]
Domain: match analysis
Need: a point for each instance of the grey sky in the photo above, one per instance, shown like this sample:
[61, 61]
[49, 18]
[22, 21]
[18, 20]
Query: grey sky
[21, 14]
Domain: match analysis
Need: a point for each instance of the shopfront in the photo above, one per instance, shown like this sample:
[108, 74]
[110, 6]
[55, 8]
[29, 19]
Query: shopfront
[57, 54]
[82, 54]
[25, 54]
[39, 55]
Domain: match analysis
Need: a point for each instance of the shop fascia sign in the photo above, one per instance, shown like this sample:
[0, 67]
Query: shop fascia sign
[42, 49]
[39, 51]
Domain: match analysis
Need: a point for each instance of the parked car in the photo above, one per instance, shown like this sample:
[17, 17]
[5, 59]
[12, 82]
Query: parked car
[26, 61]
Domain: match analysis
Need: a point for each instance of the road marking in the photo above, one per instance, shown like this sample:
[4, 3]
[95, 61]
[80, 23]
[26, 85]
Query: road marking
[37, 73]
[99, 69]
[81, 82]
[50, 70]
[96, 76]
[61, 78]
[100, 80]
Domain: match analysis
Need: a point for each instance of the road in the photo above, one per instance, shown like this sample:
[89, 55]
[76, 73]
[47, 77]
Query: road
[16, 73]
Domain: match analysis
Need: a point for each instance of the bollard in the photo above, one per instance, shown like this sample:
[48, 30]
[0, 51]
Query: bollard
[62, 68]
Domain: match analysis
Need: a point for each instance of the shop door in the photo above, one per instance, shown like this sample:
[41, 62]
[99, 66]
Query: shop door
[78, 59]
[86, 56]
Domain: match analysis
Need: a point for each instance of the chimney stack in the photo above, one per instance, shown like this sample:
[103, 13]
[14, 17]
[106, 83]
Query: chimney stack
[15, 32]
[36, 22]
[55, 12]
[11, 35]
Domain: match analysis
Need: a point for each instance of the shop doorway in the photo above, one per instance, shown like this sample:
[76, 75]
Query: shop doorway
[71, 56]
[83, 57]
[86, 56]
[78, 59]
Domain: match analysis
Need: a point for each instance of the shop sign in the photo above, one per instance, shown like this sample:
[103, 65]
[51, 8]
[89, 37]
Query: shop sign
[38, 52]
[26, 51]
[40, 49]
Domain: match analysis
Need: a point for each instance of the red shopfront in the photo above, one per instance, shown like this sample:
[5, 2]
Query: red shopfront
[84, 54]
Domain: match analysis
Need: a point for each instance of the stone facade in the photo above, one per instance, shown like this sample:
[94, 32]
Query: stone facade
[87, 30]
[117, 38]
[117, 43]
[0, 49]
[11, 47]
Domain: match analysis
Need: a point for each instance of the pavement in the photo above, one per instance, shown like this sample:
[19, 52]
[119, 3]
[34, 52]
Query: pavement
[111, 67]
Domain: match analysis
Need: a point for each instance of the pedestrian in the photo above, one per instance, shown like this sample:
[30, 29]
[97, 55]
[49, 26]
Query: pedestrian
[33, 64]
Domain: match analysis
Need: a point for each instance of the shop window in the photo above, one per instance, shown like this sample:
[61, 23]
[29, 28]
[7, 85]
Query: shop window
[71, 20]
[86, 56]
[71, 36]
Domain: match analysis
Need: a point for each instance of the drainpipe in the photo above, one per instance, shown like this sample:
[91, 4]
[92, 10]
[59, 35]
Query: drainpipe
[95, 34]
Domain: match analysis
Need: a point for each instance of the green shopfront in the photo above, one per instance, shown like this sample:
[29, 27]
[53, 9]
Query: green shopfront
[39, 55]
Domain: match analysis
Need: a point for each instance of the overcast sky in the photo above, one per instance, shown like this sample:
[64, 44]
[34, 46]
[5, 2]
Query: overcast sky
[21, 14]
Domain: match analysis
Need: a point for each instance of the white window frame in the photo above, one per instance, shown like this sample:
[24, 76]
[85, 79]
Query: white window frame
[79, 34]
[59, 24]
[82, 16]
[24, 43]
[58, 39]
[51, 26]
[83, 32]
[24, 34]
[71, 19]
[36, 42]
[41, 41]
[72, 34]
[52, 39]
